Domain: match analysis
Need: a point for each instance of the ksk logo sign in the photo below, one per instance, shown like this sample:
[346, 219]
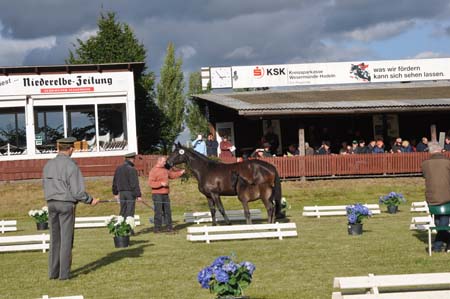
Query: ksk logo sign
[258, 72]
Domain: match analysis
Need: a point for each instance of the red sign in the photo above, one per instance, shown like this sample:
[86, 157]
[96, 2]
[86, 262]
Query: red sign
[258, 72]
[67, 89]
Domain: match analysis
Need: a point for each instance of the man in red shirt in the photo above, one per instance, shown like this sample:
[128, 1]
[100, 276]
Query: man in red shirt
[158, 180]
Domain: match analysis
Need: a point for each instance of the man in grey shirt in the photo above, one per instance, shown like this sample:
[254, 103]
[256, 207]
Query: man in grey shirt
[63, 189]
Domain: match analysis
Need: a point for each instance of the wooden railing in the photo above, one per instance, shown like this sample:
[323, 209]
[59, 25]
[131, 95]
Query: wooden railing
[288, 167]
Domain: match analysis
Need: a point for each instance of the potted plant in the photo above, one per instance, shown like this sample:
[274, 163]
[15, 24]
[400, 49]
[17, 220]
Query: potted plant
[41, 218]
[226, 278]
[121, 228]
[355, 214]
[392, 201]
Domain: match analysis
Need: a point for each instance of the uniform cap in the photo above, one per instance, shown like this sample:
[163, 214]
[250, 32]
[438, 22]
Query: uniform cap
[130, 155]
[67, 140]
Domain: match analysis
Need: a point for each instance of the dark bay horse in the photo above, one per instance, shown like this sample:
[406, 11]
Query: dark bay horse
[255, 179]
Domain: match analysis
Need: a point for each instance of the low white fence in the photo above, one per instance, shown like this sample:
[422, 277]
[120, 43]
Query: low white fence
[8, 226]
[236, 232]
[318, 211]
[22, 243]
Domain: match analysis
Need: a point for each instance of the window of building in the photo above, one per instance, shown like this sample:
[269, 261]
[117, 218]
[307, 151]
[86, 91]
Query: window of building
[81, 125]
[48, 127]
[112, 126]
[12, 131]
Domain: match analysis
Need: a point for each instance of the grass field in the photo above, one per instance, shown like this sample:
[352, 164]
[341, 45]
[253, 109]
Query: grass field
[166, 266]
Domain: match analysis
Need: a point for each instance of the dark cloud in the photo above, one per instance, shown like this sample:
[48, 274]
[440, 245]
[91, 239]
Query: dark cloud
[347, 15]
[221, 32]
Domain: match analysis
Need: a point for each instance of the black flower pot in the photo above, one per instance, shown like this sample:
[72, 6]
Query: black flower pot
[392, 209]
[355, 229]
[234, 297]
[121, 242]
[42, 225]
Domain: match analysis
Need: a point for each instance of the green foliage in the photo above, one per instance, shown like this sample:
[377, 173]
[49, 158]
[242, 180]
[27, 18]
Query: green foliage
[115, 42]
[170, 98]
[120, 227]
[195, 117]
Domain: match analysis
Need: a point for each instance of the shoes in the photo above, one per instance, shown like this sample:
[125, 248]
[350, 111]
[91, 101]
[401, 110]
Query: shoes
[156, 231]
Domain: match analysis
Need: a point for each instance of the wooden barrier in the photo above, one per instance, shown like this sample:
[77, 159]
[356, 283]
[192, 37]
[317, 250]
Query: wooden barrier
[237, 232]
[22, 243]
[233, 215]
[98, 221]
[403, 286]
[8, 226]
[317, 211]
[419, 206]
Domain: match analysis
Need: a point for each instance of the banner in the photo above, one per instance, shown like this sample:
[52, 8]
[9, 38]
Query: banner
[340, 73]
[65, 83]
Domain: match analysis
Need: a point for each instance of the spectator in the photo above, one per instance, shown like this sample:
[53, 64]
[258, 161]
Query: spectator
[362, 148]
[226, 148]
[436, 171]
[379, 147]
[309, 151]
[343, 149]
[447, 144]
[406, 148]
[396, 147]
[272, 139]
[199, 145]
[292, 151]
[211, 146]
[423, 145]
[354, 147]
[371, 146]
[324, 149]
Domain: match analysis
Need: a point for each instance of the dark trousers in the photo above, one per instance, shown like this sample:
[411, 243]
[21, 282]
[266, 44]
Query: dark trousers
[61, 216]
[161, 203]
[442, 235]
[127, 204]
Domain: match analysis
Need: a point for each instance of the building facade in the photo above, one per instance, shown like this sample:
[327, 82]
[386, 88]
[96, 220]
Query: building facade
[93, 103]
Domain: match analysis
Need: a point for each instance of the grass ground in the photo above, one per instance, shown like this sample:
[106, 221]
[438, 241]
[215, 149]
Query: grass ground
[166, 266]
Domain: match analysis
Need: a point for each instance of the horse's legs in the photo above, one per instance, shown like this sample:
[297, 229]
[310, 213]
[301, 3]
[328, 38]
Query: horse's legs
[212, 209]
[265, 197]
[219, 205]
[244, 202]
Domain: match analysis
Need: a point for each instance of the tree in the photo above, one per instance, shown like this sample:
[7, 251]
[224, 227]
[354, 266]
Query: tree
[195, 117]
[115, 42]
[171, 98]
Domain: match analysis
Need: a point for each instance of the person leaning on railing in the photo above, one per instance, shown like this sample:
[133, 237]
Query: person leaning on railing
[436, 171]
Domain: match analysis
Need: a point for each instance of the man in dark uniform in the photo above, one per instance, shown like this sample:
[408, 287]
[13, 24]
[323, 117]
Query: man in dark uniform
[63, 189]
[125, 186]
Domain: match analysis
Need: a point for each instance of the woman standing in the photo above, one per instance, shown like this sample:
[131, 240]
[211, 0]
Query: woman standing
[226, 148]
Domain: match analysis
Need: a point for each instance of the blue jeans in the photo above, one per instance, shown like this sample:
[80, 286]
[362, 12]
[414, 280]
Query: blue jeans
[442, 235]
[163, 213]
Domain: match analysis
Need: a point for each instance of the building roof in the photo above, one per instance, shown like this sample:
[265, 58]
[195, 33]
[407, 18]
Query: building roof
[361, 98]
[136, 67]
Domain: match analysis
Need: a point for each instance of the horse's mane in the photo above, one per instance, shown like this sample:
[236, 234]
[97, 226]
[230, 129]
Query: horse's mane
[198, 155]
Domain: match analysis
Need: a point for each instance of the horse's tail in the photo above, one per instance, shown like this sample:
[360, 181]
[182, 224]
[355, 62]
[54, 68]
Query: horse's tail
[276, 196]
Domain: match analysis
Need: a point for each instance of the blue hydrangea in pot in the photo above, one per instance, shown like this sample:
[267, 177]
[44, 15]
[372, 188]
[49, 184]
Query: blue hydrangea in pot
[392, 201]
[226, 278]
[355, 214]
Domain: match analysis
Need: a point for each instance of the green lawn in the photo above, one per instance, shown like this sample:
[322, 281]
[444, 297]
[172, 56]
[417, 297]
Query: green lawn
[166, 266]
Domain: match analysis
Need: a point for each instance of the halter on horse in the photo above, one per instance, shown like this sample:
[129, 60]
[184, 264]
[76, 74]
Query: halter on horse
[250, 180]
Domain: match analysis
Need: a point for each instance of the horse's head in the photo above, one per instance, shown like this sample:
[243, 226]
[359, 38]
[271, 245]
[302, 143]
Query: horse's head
[178, 156]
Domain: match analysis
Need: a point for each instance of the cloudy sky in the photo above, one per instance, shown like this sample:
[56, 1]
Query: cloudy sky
[233, 32]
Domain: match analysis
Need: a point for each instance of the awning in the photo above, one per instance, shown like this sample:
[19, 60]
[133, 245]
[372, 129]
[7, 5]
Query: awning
[367, 98]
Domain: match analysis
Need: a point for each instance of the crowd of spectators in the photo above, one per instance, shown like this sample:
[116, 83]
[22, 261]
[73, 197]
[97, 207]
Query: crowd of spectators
[269, 144]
